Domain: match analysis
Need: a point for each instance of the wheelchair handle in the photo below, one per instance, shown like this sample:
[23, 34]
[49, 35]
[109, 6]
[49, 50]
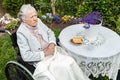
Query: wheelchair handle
[2, 31]
[5, 31]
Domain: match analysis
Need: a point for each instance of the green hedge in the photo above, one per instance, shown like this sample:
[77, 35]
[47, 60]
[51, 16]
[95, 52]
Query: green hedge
[62, 6]
[110, 9]
[12, 6]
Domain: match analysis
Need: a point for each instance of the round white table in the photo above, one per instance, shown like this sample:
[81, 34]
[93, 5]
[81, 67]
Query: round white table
[98, 54]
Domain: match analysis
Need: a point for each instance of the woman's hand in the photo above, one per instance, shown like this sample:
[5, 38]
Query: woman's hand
[50, 50]
[51, 45]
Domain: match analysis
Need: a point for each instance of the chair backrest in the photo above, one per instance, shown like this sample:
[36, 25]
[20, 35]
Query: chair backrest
[18, 57]
[14, 42]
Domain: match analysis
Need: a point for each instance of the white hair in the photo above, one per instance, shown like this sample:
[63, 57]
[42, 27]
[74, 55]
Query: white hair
[24, 10]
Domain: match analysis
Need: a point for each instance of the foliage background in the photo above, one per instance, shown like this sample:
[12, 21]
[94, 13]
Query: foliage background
[12, 6]
[110, 10]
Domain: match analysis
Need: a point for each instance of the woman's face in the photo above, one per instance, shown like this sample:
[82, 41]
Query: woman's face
[31, 18]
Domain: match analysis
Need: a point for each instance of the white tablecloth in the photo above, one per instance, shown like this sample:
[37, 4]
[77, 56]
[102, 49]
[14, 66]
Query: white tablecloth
[99, 53]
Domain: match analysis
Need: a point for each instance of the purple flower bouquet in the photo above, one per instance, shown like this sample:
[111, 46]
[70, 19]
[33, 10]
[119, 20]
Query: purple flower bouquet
[91, 18]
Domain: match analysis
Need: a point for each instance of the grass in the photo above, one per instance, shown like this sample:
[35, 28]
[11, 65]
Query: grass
[7, 53]
[56, 31]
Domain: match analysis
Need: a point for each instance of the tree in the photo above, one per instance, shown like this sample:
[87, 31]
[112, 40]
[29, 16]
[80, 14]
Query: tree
[53, 7]
[2, 11]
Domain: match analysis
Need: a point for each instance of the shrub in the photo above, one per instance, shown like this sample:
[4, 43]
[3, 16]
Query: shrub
[109, 10]
[42, 6]
[118, 25]
[13, 6]
[66, 7]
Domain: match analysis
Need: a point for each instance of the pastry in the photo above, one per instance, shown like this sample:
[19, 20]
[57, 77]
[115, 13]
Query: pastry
[77, 40]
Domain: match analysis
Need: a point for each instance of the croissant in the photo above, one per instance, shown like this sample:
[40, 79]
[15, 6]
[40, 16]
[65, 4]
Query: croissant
[77, 40]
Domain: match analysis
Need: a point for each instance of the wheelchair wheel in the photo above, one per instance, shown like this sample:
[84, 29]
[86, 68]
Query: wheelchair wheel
[16, 71]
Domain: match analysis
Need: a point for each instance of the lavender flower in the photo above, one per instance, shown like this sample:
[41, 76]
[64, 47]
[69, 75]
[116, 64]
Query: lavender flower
[92, 18]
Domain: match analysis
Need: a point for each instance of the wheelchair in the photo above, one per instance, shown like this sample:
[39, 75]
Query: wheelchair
[17, 70]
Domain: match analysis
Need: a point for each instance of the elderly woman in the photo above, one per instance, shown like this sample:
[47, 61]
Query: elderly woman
[37, 44]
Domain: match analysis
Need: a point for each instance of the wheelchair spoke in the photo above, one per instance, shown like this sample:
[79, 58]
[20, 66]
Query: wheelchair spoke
[16, 72]
[12, 71]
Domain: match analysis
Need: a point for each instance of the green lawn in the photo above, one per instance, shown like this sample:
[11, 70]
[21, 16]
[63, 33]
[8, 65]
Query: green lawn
[7, 53]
